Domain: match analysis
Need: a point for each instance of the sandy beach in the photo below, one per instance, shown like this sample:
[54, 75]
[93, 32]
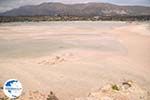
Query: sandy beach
[74, 58]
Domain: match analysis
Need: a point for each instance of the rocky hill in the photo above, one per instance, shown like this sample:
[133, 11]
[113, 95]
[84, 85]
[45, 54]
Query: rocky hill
[86, 9]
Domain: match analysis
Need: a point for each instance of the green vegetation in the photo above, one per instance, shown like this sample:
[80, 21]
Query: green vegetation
[115, 87]
[72, 18]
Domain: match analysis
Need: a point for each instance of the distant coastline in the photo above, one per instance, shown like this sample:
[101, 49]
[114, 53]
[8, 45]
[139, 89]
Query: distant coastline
[4, 19]
[56, 11]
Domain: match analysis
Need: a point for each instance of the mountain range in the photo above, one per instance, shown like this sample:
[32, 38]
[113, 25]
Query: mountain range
[85, 9]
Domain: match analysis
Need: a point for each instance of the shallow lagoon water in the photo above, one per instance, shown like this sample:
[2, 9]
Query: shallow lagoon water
[24, 39]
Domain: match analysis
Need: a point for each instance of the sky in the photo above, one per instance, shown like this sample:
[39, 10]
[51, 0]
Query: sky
[10, 4]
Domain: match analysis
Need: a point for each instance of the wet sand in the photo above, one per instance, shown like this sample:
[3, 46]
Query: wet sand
[74, 58]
